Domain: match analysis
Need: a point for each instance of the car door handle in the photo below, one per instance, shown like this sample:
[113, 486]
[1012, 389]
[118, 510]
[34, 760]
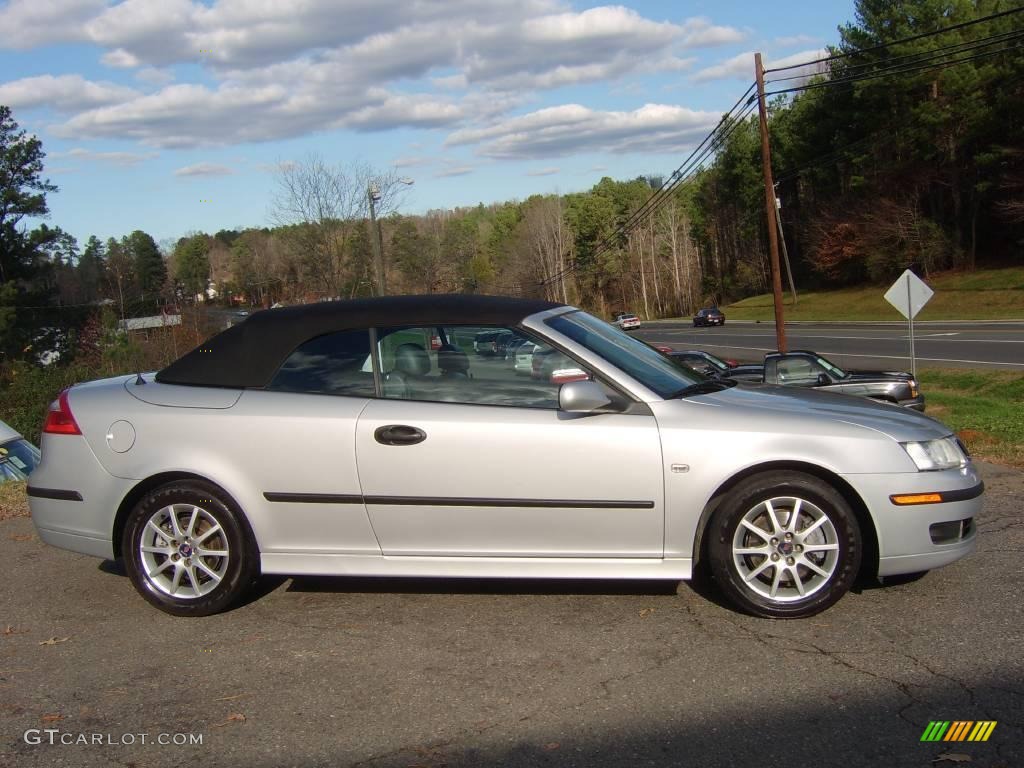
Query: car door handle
[399, 434]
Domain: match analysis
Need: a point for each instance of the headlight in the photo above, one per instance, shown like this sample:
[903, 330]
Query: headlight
[913, 388]
[936, 454]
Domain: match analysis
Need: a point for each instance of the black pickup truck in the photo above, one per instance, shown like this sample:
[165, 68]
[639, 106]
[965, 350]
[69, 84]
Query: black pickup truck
[801, 368]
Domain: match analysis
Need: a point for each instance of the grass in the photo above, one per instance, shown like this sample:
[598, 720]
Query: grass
[987, 294]
[985, 408]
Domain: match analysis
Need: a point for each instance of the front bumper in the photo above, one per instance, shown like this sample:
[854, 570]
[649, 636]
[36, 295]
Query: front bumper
[916, 403]
[908, 541]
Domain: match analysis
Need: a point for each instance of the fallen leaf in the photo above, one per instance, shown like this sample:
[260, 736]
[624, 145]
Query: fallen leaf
[51, 718]
[22, 537]
[55, 640]
[234, 717]
[552, 746]
[645, 612]
[10, 630]
[952, 757]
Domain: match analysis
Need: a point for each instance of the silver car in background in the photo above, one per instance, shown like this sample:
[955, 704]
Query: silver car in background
[327, 439]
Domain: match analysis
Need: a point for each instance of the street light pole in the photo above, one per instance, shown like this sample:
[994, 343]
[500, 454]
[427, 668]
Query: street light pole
[373, 195]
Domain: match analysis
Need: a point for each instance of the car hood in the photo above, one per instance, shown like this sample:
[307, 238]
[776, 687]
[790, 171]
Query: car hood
[864, 376]
[797, 409]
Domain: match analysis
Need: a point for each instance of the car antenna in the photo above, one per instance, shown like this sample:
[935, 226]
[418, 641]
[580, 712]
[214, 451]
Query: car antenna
[139, 381]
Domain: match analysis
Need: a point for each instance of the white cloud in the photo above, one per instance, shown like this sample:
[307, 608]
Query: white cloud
[279, 70]
[796, 40]
[411, 162]
[186, 116]
[543, 172]
[457, 170]
[155, 76]
[204, 169]
[64, 93]
[742, 66]
[572, 129]
[124, 159]
[699, 32]
[29, 23]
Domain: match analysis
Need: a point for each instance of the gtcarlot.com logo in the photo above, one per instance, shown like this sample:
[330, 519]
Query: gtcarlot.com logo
[54, 736]
[958, 730]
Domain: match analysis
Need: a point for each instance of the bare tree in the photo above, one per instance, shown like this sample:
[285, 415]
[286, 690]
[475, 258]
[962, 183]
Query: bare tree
[320, 204]
[549, 240]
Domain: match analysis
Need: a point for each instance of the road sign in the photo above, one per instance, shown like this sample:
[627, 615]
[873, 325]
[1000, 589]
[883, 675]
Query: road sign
[909, 294]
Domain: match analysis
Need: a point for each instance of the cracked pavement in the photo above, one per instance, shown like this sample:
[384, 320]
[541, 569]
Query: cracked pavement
[398, 673]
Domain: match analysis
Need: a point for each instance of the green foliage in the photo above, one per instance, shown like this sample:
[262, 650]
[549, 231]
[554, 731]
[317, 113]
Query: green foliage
[25, 267]
[192, 264]
[150, 270]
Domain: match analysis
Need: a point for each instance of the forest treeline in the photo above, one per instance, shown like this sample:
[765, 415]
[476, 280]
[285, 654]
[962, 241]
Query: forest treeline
[886, 157]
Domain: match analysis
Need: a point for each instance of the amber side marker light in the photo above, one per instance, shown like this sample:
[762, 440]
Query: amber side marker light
[916, 498]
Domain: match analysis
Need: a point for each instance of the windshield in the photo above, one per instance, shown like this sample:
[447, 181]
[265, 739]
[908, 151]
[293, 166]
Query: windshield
[17, 459]
[632, 356]
[832, 368]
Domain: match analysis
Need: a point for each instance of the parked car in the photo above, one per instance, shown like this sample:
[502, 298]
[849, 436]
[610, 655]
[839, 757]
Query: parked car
[485, 343]
[381, 465]
[626, 321]
[704, 362]
[524, 358]
[802, 368]
[18, 457]
[710, 316]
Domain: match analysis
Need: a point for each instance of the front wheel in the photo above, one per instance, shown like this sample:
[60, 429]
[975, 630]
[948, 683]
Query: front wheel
[784, 545]
[187, 551]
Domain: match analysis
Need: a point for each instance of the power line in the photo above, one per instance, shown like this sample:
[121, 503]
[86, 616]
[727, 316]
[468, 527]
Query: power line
[658, 196]
[894, 71]
[880, 46]
[919, 57]
[692, 165]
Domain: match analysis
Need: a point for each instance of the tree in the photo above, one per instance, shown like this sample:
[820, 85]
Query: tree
[24, 272]
[192, 265]
[150, 270]
[91, 266]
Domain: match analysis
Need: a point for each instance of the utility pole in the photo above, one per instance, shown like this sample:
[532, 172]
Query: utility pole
[373, 193]
[785, 250]
[769, 202]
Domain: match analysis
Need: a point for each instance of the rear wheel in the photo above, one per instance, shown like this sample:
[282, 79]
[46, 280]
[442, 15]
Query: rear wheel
[187, 551]
[784, 545]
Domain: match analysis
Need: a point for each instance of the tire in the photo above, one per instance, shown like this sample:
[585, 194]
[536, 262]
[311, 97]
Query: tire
[816, 559]
[168, 568]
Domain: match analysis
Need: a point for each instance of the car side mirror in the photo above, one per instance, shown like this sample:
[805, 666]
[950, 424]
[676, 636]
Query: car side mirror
[823, 380]
[582, 397]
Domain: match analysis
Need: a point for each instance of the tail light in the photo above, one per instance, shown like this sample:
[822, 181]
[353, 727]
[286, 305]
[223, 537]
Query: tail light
[59, 419]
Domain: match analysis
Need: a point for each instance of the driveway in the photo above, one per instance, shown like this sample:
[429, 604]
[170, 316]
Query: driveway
[406, 673]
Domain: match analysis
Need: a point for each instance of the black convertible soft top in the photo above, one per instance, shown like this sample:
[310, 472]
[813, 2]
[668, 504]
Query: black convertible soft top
[250, 353]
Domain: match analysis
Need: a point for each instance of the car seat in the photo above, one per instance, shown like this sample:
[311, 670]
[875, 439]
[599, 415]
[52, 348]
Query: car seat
[453, 362]
[411, 364]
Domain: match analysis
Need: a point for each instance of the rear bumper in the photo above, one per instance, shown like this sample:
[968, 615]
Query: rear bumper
[907, 538]
[73, 499]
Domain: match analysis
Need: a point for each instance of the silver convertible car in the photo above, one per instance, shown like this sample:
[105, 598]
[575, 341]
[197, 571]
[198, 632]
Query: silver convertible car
[343, 439]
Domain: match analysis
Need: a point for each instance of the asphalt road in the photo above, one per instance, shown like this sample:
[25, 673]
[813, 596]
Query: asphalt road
[400, 673]
[998, 345]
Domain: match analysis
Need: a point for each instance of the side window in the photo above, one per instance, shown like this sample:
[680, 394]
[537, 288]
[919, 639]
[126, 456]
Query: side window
[473, 365]
[797, 371]
[332, 364]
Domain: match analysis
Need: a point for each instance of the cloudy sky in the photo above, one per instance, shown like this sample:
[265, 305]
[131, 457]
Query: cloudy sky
[171, 115]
